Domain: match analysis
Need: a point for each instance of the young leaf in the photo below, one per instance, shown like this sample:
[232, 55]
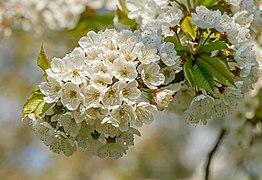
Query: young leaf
[32, 103]
[42, 108]
[202, 76]
[187, 69]
[42, 61]
[189, 27]
[214, 35]
[206, 3]
[217, 45]
[219, 69]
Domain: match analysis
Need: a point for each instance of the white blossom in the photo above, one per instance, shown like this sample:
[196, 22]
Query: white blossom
[146, 54]
[125, 115]
[150, 75]
[163, 98]
[96, 113]
[62, 144]
[111, 98]
[227, 24]
[109, 129]
[127, 50]
[169, 74]
[71, 96]
[44, 130]
[76, 70]
[127, 138]
[204, 18]
[100, 80]
[69, 124]
[245, 55]
[91, 39]
[93, 96]
[144, 113]
[168, 55]
[171, 17]
[243, 18]
[124, 71]
[111, 150]
[199, 109]
[136, 8]
[129, 92]
[79, 114]
[51, 89]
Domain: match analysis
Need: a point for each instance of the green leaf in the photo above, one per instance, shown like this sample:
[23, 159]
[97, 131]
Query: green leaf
[181, 50]
[214, 35]
[188, 72]
[173, 40]
[217, 45]
[220, 7]
[203, 77]
[206, 3]
[42, 108]
[42, 61]
[32, 103]
[188, 27]
[219, 69]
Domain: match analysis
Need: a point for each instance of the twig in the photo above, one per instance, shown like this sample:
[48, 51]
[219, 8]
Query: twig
[213, 151]
[177, 37]
[207, 37]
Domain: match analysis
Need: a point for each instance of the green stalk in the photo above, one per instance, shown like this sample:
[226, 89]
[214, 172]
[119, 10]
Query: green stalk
[184, 9]
[178, 37]
[207, 37]
[189, 5]
[194, 3]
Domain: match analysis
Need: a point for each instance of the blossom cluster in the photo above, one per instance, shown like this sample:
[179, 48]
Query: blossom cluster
[103, 90]
[244, 65]
[196, 62]
[236, 27]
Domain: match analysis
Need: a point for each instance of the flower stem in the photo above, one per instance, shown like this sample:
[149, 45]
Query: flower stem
[177, 37]
[207, 38]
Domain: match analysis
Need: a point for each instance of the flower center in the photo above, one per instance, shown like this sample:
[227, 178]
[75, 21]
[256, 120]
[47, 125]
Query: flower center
[75, 73]
[124, 72]
[72, 94]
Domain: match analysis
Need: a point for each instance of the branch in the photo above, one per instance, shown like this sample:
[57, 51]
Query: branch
[213, 151]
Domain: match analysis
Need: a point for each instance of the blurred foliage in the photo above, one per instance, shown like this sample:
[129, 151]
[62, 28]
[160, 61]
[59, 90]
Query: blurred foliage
[92, 20]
